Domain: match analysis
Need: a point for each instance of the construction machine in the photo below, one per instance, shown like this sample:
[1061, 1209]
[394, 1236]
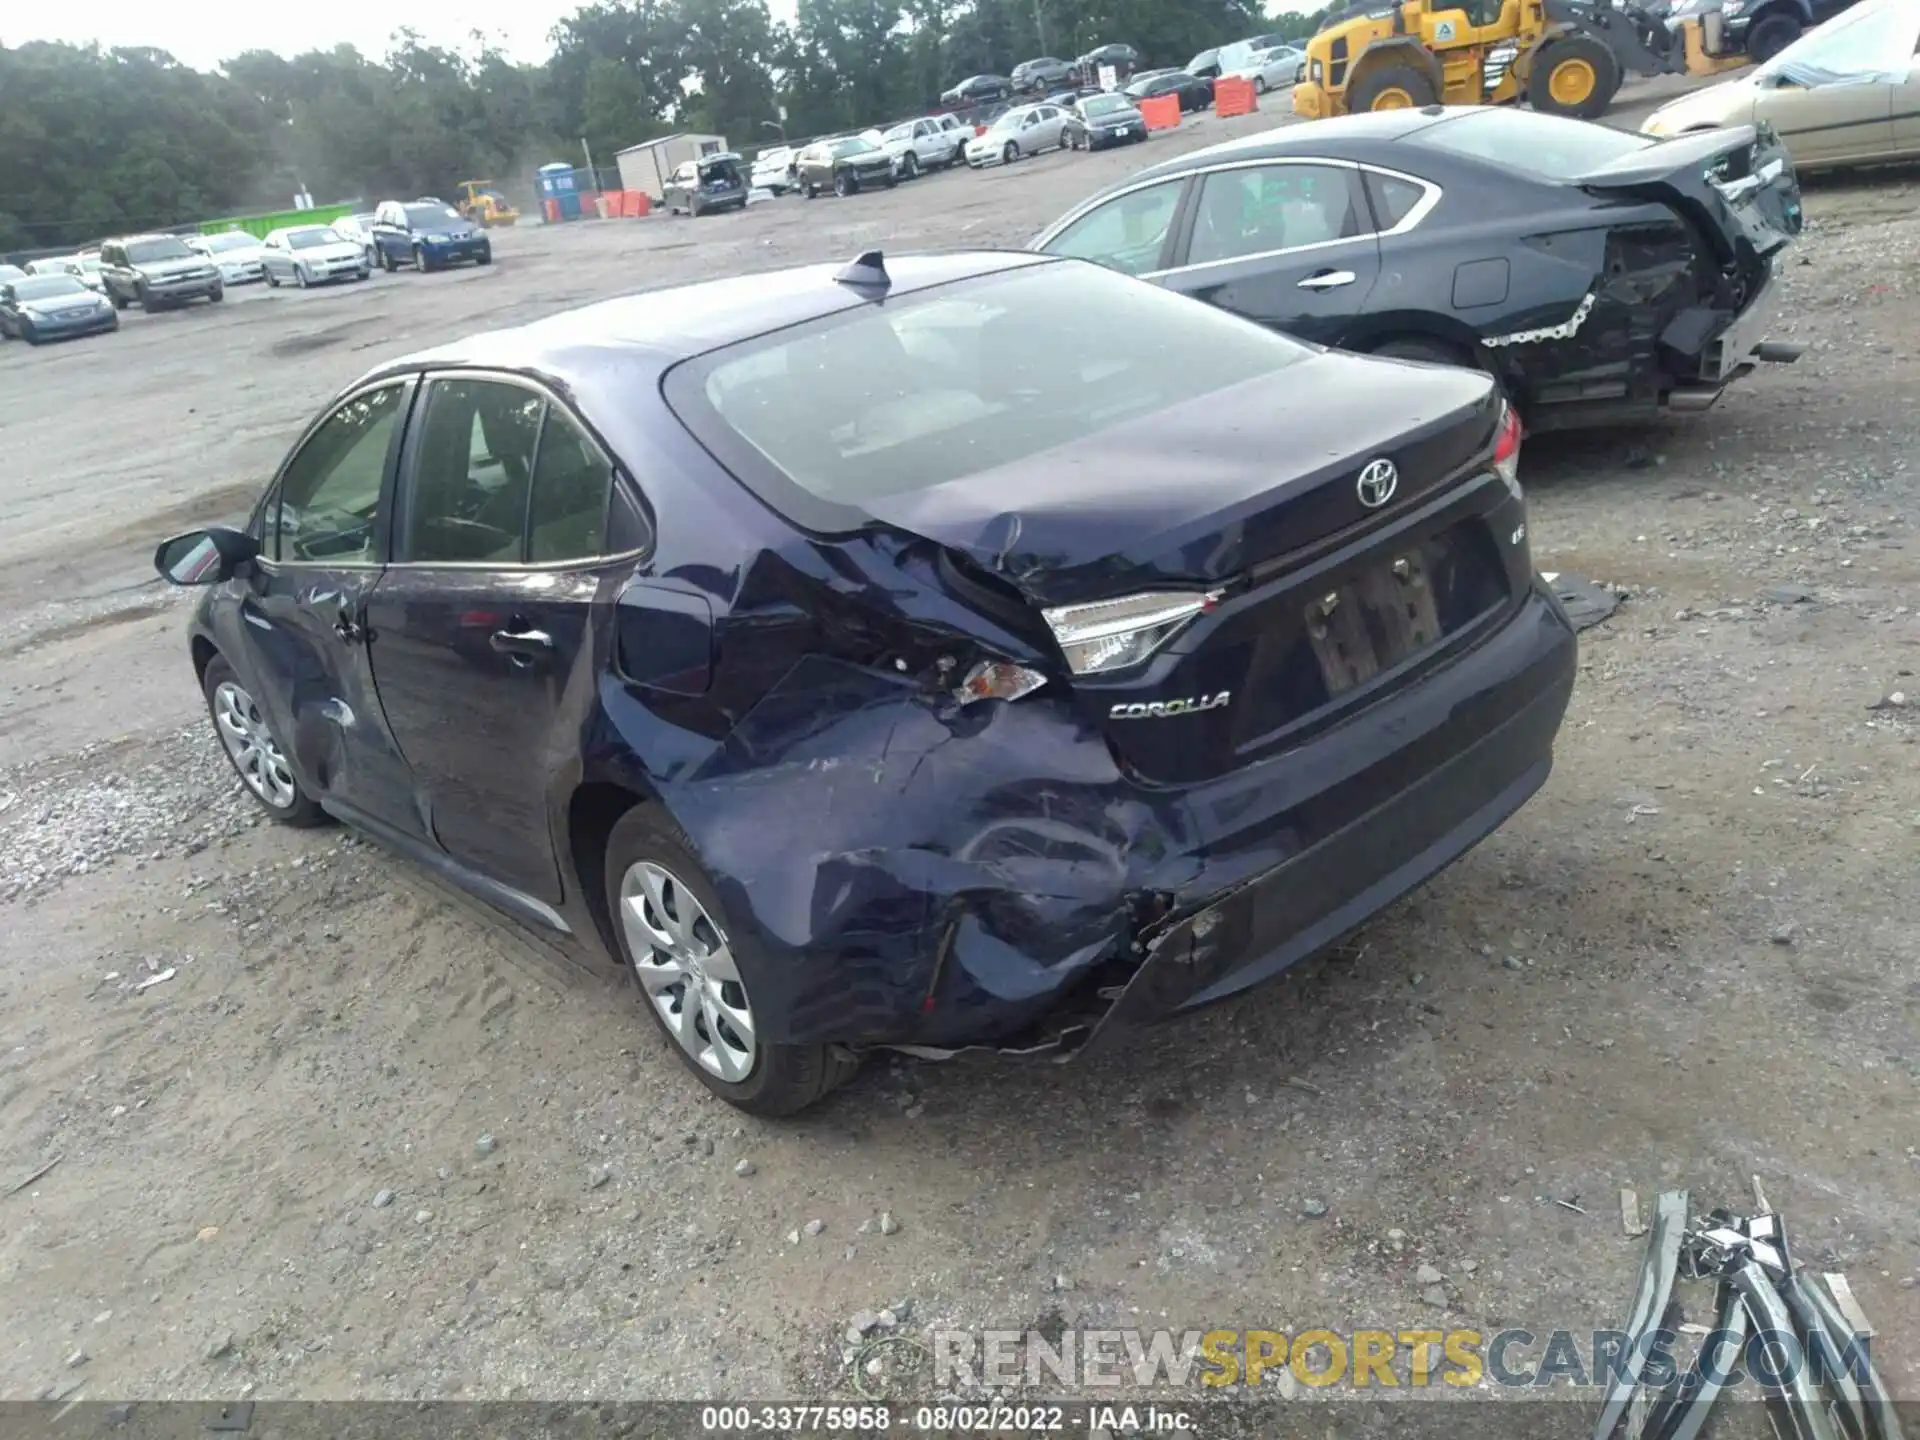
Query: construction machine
[1566, 57]
[484, 205]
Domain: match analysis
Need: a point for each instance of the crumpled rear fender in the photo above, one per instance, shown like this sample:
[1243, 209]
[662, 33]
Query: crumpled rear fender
[899, 868]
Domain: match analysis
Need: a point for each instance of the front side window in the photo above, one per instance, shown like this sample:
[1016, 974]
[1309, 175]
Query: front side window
[1266, 208]
[466, 497]
[962, 379]
[330, 490]
[1125, 234]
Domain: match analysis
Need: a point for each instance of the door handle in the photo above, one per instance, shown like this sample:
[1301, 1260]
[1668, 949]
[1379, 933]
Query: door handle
[346, 627]
[523, 647]
[1328, 279]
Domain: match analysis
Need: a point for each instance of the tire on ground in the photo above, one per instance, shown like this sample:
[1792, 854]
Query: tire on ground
[785, 1079]
[1576, 75]
[305, 812]
[1392, 87]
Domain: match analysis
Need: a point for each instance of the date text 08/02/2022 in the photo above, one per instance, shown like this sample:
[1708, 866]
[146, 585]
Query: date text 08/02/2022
[990, 1419]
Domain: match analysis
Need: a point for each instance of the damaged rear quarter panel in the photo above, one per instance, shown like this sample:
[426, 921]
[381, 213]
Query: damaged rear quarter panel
[866, 832]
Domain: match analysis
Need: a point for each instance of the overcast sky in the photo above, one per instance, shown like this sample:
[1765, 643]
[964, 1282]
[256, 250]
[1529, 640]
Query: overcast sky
[202, 35]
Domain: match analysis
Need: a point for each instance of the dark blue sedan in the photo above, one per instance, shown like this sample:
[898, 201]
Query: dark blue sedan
[978, 649]
[36, 308]
[427, 235]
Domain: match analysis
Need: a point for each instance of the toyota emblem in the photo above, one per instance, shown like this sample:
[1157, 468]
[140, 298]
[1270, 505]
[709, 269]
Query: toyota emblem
[1377, 483]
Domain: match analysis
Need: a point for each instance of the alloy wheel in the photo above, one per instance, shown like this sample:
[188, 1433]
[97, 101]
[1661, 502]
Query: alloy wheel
[686, 968]
[251, 746]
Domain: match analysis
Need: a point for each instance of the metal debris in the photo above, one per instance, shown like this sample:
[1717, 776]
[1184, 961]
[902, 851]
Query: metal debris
[1631, 1224]
[1829, 1389]
[18, 1186]
[1587, 604]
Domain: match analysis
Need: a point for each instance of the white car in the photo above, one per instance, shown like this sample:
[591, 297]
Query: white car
[1273, 69]
[1021, 131]
[313, 254]
[918, 145]
[359, 229]
[773, 170]
[240, 257]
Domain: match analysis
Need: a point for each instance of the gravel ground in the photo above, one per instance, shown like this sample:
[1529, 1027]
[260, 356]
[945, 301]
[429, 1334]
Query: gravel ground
[324, 1129]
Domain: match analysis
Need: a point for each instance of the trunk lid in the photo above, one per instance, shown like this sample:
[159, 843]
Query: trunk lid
[1322, 599]
[1737, 185]
[1208, 490]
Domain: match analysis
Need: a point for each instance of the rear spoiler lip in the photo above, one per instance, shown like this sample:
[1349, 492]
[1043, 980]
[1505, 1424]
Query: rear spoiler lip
[1658, 162]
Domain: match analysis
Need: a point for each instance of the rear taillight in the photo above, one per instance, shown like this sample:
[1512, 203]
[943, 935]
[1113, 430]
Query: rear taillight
[1506, 449]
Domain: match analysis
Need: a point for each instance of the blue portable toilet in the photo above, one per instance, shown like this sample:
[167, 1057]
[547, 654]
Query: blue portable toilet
[558, 196]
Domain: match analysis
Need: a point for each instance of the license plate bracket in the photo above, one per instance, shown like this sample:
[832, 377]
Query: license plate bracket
[1372, 621]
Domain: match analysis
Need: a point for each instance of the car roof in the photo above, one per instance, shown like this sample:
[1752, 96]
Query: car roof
[673, 324]
[1341, 137]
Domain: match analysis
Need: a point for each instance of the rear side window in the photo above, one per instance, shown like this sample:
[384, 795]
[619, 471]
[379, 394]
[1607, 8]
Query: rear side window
[567, 519]
[1393, 199]
[960, 379]
[1551, 147]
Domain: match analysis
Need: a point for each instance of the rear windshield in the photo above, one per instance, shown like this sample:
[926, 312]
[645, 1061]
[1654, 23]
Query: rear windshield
[960, 379]
[1549, 146]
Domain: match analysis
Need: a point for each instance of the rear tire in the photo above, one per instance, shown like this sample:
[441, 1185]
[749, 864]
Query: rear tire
[1435, 351]
[1394, 87]
[782, 1079]
[1576, 76]
[1771, 34]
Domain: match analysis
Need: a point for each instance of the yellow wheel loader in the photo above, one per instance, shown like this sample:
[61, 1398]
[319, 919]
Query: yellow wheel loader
[484, 205]
[1566, 57]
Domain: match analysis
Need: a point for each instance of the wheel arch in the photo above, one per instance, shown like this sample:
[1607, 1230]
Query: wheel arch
[593, 809]
[1395, 50]
[203, 650]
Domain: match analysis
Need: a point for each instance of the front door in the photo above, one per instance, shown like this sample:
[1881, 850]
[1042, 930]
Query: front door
[303, 630]
[1288, 244]
[482, 617]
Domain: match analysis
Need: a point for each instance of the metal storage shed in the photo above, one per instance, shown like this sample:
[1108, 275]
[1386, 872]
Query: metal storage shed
[647, 165]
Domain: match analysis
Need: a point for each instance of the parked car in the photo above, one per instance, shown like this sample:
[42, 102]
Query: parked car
[1101, 121]
[155, 271]
[37, 308]
[925, 144]
[90, 271]
[773, 170]
[1597, 275]
[1193, 92]
[1205, 65]
[54, 265]
[697, 625]
[428, 235]
[1840, 95]
[1043, 74]
[306, 255]
[11, 272]
[1270, 69]
[240, 257]
[843, 166]
[359, 229]
[1022, 131]
[1124, 59]
[707, 185]
[977, 90]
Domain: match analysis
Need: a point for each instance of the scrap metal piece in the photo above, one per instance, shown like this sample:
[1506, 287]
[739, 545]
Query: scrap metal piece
[1685, 1406]
[1586, 603]
[1883, 1423]
[1830, 1353]
[1651, 1296]
[1802, 1406]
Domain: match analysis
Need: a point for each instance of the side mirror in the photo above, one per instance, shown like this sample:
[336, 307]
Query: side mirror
[204, 557]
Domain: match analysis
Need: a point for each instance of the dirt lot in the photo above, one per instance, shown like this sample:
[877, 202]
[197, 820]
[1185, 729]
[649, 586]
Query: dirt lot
[1691, 960]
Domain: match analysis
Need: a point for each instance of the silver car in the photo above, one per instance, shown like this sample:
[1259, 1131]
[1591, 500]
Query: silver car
[311, 254]
[1021, 131]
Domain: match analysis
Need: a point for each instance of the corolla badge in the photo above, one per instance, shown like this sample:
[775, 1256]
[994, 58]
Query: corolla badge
[1377, 483]
[1160, 709]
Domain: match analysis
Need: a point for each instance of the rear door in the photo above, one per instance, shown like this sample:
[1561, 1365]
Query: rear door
[1289, 243]
[303, 635]
[482, 617]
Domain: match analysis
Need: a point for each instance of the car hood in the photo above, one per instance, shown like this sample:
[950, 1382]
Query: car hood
[1729, 103]
[163, 269]
[449, 231]
[1101, 517]
[332, 250]
[251, 255]
[867, 159]
[56, 304]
